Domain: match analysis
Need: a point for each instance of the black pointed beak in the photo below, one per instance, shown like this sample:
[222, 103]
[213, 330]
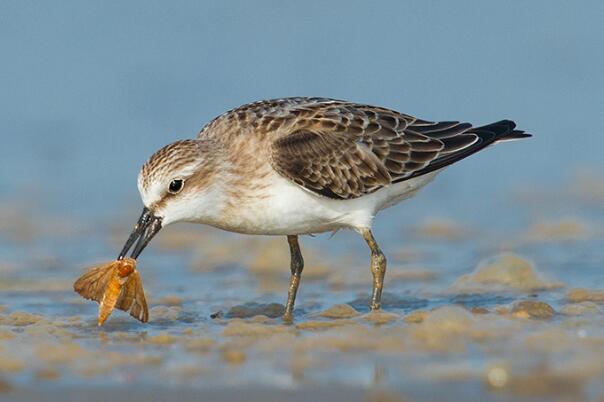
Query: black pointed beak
[147, 226]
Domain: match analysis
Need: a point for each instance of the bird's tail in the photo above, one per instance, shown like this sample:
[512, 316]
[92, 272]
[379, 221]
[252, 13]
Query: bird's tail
[501, 131]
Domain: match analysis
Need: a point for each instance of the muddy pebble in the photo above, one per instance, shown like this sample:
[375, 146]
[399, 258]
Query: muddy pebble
[504, 272]
[533, 309]
[47, 374]
[238, 327]
[164, 313]
[480, 310]
[43, 329]
[191, 371]
[339, 311]
[384, 396]
[61, 353]
[446, 329]
[546, 382]
[501, 310]
[233, 356]
[21, 318]
[497, 376]
[582, 308]
[321, 325]
[161, 339]
[200, 345]
[121, 336]
[577, 295]
[6, 334]
[4, 386]
[379, 317]
[11, 365]
[415, 317]
[354, 340]
[261, 319]
[247, 310]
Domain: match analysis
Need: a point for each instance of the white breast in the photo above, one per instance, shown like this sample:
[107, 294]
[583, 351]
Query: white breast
[286, 209]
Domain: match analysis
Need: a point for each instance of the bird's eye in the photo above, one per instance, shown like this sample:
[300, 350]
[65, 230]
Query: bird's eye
[176, 186]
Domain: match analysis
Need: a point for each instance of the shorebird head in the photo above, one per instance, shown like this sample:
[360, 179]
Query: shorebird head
[172, 184]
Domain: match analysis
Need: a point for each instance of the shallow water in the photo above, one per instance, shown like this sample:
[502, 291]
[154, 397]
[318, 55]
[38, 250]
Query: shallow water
[470, 312]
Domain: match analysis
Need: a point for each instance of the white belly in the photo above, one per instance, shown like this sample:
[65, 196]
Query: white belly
[289, 209]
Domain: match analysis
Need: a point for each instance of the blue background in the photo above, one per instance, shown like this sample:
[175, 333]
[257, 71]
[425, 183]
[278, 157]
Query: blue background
[90, 89]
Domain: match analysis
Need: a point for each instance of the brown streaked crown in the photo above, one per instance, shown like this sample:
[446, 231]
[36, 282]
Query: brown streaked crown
[171, 158]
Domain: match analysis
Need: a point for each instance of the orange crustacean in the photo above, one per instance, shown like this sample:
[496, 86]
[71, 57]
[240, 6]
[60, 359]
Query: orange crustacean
[114, 284]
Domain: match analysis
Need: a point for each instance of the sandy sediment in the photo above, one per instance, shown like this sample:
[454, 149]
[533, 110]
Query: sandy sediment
[503, 273]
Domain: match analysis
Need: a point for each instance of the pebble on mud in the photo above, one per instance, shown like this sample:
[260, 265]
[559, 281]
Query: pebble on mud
[232, 356]
[379, 317]
[164, 313]
[272, 310]
[504, 272]
[22, 319]
[4, 386]
[200, 345]
[161, 339]
[61, 353]
[11, 365]
[47, 374]
[415, 317]
[582, 308]
[322, 325]
[445, 329]
[497, 376]
[339, 311]
[533, 309]
[238, 327]
[6, 334]
[353, 339]
[580, 294]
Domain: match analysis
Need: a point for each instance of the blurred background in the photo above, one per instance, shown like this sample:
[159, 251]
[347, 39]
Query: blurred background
[89, 90]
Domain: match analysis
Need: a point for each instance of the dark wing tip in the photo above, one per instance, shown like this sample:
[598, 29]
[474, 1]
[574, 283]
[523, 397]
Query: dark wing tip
[501, 131]
[518, 134]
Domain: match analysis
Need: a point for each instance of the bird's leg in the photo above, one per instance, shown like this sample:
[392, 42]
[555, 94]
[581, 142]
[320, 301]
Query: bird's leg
[378, 268]
[296, 266]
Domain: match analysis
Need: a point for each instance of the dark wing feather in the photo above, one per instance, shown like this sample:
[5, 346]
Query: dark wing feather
[344, 150]
[331, 165]
[355, 149]
[462, 140]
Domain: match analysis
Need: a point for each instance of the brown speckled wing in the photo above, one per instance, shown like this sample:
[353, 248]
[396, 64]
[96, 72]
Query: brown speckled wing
[345, 150]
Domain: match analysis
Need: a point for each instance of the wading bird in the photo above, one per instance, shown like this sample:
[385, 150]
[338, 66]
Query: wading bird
[299, 166]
